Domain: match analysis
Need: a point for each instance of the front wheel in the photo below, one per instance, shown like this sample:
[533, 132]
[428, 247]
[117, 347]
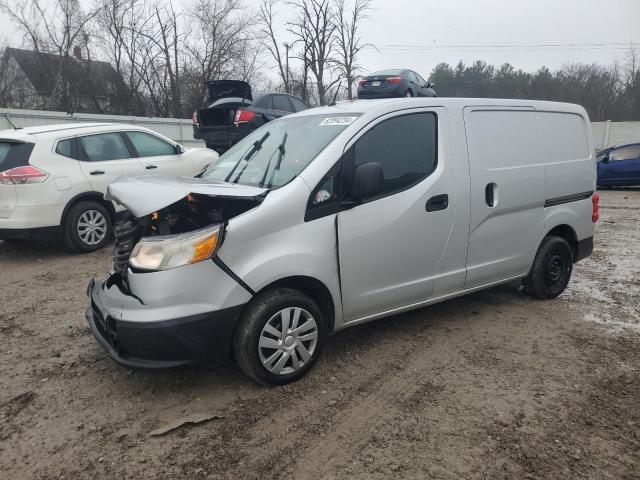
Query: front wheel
[280, 336]
[551, 269]
[408, 93]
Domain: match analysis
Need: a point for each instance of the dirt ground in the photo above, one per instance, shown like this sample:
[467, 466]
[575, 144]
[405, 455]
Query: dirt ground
[493, 385]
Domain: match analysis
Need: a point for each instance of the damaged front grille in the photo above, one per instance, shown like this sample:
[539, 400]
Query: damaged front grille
[127, 231]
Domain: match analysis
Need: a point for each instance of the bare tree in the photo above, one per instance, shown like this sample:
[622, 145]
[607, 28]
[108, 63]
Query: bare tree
[348, 40]
[120, 24]
[269, 40]
[314, 29]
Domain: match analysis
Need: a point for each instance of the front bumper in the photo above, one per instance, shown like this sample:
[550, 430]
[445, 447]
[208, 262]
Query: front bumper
[140, 331]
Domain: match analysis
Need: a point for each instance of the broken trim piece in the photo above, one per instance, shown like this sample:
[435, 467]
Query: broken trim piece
[223, 266]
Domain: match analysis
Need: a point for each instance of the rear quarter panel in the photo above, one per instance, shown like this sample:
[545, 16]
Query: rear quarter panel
[567, 152]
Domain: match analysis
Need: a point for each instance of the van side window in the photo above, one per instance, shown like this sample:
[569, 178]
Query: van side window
[325, 198]
[405, 146]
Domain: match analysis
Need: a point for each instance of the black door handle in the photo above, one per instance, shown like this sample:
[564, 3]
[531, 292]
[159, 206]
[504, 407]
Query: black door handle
[439, 202]
[150, 167]
[96, 172]
[489, 194]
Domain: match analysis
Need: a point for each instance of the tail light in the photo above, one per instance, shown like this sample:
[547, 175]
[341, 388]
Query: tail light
[23, 175]
[595, 212]
[244, 116]
[194, 118]
[394, 80]
[362, 82]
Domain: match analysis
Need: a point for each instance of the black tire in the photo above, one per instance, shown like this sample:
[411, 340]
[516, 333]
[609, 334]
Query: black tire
[72, 238]
[408, 93]
[261, 310]
[551, 269]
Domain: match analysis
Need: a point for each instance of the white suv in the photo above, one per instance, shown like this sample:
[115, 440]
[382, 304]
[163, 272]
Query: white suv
[56, 176]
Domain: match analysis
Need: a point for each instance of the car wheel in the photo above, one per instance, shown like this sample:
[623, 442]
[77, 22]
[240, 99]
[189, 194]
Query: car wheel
[87, 227]
[551, 269]
[408, 93]
[280, 336]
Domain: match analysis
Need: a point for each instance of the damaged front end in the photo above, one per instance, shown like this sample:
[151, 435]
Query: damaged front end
[149, 313]
[191, 226]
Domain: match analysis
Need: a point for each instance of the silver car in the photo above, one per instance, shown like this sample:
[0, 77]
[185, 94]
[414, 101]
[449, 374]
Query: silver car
[339, 215]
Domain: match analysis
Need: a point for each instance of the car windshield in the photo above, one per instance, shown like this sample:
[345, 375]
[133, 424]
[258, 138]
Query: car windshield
[387, 72]
[277, 152]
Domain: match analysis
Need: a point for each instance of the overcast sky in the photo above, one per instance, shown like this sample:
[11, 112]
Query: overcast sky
[418, 34]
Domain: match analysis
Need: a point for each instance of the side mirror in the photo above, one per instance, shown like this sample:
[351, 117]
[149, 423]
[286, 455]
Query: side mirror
[179, 149]
[368, 180]
[605, 159]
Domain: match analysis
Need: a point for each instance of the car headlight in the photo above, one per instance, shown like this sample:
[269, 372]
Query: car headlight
[171, 251]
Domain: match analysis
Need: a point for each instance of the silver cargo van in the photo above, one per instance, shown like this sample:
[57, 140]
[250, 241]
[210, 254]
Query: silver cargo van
[340, 215]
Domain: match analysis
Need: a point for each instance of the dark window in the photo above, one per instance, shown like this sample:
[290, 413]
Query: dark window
[65, 148]
[421, 80]
[149, 145]
[298, 105]
[386, 72]
[104, 146]
[325, 197]
[412, 76]
[261, 101]
[625, 153]
[405, 147]
[280, 102]
[14, 154]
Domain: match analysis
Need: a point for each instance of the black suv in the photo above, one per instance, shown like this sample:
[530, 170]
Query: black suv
[231, 112]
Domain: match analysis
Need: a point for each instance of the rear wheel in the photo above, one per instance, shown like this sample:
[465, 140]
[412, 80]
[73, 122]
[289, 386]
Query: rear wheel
[280, 336]
[87, 227]
[551, 269]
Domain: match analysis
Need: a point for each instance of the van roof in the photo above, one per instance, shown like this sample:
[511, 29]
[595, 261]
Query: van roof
[380, 105]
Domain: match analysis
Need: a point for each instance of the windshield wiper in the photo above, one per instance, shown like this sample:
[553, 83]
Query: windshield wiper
[255, 147]
[281, 152]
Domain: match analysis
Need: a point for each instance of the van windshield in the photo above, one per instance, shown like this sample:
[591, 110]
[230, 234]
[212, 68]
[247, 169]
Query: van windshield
[277, 152]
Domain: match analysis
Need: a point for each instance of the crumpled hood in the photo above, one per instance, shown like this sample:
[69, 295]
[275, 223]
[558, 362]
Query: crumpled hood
[143, 195]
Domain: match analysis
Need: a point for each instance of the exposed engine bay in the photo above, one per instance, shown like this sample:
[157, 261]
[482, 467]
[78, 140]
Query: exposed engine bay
[191, 213]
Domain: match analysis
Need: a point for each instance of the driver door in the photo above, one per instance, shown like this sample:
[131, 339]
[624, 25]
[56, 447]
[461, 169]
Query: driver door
[390, 246]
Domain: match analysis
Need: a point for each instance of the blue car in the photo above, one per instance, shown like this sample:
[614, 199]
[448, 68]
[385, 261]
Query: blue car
[619, 166]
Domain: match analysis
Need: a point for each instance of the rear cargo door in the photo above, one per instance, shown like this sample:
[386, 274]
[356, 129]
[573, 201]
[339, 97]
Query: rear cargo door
[507, 193]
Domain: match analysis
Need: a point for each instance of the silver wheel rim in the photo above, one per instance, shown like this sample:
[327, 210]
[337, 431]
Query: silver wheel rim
[288, 340]
[409, 94]
[92, 227]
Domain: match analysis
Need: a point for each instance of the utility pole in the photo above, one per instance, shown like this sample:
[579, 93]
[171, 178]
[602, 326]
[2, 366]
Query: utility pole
[287, 46]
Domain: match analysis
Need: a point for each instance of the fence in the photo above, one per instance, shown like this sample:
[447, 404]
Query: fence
[177, 129]
[605, 134]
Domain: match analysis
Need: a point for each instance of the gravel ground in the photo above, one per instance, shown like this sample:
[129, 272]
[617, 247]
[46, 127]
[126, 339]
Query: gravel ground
[492, 385]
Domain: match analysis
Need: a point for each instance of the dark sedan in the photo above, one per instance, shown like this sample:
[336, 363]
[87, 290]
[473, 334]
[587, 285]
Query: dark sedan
[394, 83]
[231, 112]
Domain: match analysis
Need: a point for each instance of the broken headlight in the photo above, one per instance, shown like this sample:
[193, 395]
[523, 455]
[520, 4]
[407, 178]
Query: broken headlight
[171, 251]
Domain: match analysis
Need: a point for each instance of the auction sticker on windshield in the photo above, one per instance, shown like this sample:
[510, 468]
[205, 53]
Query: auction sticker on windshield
[337, 121]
